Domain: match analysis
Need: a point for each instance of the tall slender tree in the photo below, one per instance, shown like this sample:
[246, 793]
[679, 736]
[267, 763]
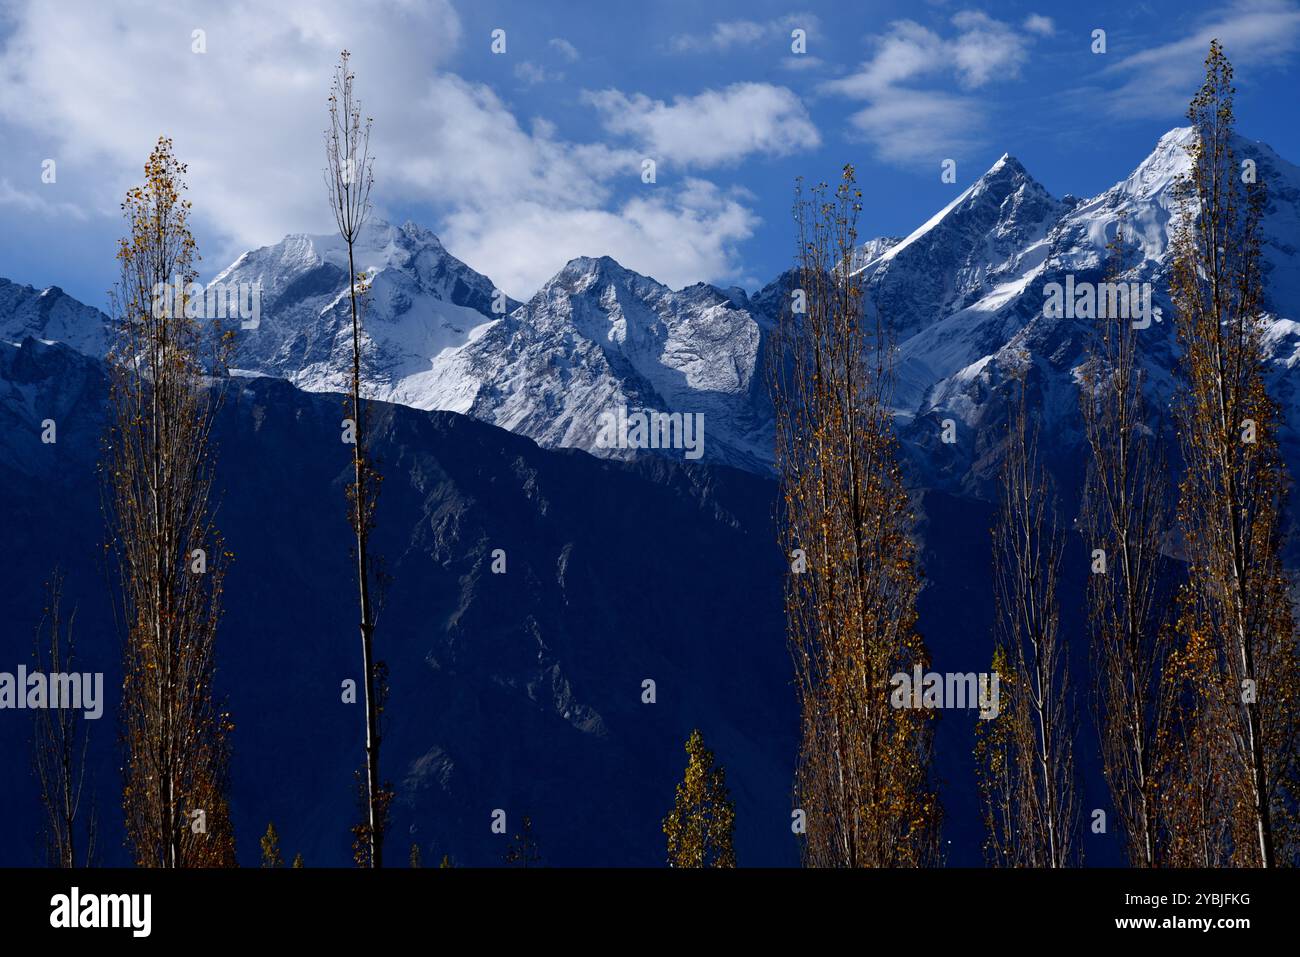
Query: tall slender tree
[1126, 520]
[1043, 813]
[1001, 742]
[700, 825]
[863, 779]
[270, 842]
[1236, 629]
[349, 176]
[61, 742]
[1197, 802]
[165, 389]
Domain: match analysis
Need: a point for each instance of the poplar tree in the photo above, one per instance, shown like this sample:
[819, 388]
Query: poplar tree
[271, 847]
[1035, 751]
[1125, 520]
[170, 557]
[1236, 659]
[1005, 795]
[863, 776]
[60, 744]
[700, 825]
[349, 176]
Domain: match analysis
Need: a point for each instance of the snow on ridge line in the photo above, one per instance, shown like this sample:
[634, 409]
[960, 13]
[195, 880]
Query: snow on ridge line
[1004, 160]
[921, 230]
[542, 369]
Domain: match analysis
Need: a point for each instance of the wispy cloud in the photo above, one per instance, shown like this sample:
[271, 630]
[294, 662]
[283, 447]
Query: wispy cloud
[34, 204]
[908, 122]
[564, 48]
[1159, 80]
[713, 128]
[731, 34]
[530, 74]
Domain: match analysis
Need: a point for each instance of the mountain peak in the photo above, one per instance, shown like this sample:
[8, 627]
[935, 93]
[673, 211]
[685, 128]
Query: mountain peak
[1169, 160]
[380, 245]
[1178, 136]
[420, 234]
[1003, 160]
[1005, 200]
[381, 236]
[585, 271]
[586, 264]
[52, 315]
[1171, 149]
[1159, 171]
[1007, 167]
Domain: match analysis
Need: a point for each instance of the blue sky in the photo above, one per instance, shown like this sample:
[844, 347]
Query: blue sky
[523, 159]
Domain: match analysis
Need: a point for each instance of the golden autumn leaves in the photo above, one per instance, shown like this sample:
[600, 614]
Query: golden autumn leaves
[1196, 689]
[863, 776]
[699, 827]
[159, 468]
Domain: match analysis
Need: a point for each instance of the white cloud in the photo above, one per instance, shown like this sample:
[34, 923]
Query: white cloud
[985, 49]
[93, 90]
[565, 48]
[1159, 80]
[246, 116]
[675, 236]
[907, 51]
[906, 122]
[467, 144]
[744, 33]
[909, 126]
[1037, 23]
[532, 202]
[530, 74]
[713, 128]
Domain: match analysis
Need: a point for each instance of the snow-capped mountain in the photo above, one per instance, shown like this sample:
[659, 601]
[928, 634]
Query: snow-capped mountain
[51, 315]
[987, 237]
[974, 254]
[598, 337]
[595, 339]
[423, 307]
[953, 362]
[963, 295]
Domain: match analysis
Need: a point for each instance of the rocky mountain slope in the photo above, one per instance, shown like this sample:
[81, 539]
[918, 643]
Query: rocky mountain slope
[521, 691]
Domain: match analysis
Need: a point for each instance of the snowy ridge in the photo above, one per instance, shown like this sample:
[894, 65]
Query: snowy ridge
[422, 308]
[51, 315]
[969, 353]
[594, 339]
[962, 294]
